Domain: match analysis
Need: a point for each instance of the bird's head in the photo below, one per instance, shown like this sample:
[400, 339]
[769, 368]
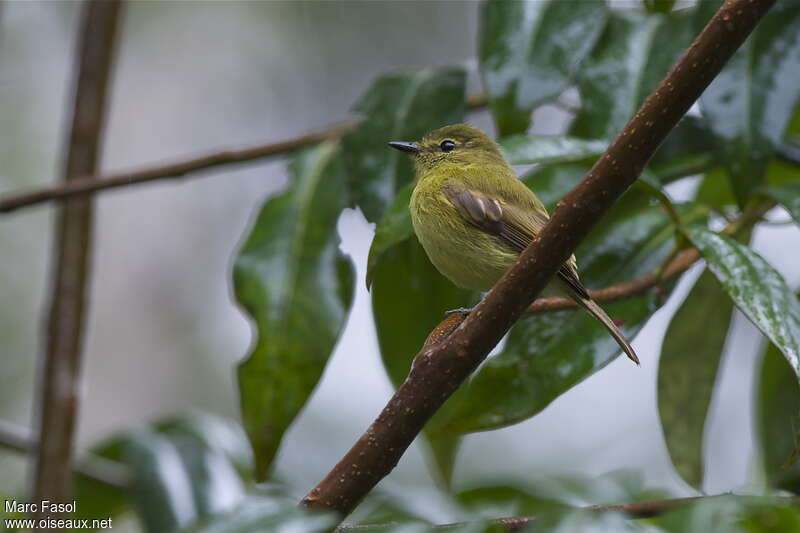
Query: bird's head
[457, 144]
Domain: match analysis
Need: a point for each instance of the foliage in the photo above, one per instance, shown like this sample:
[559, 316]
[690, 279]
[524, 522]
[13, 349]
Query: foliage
[529, 54]
[296, 285]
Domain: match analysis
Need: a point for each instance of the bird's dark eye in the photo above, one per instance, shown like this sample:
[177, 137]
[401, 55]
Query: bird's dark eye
[447, 146]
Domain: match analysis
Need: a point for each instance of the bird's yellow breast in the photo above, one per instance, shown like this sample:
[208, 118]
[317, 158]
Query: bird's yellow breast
[467, 256]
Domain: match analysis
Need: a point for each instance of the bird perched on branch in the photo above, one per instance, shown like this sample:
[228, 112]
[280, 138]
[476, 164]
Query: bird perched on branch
[474, 217]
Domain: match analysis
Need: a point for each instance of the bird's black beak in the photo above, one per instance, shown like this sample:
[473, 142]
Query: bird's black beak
[405, 147]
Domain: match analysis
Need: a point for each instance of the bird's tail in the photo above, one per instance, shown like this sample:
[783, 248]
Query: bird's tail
[597, 312]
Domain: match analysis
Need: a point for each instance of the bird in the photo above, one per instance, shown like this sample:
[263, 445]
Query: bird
[473, 216]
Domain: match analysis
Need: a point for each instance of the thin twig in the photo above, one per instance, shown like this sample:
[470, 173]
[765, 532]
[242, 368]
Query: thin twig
[90, 182]
[677, 265]
[59, 387]
[19, 439]
[439, 369]
[633, 510]
[625, 290]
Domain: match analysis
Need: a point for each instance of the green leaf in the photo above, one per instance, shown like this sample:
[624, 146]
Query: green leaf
[264, 513]
[547, 354]
[715, 190]
[749, 104]
[687, 150]
[398, 107]
[162, 489]
[530, 149]
[755, 287]
[780, 172]
[215, 483]
[394, 228]
[100, 500]
[687, 371]
[658, 6]
[778, 421]
[507, 500]
[530, 51]
[551, 183]
[409, 298]
[293, 280]
[788, 195]
[180, 471]
[633, 54]
[729, 514]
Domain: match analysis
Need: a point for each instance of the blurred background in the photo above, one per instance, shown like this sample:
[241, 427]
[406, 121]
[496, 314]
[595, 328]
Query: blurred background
[164, 334]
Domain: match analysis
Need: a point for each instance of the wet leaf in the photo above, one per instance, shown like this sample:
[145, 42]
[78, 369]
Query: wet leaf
[263, 513]
[162, 489]
[297, 286]
[397, 107]
[213, 477]
[179, 471]
[778, 421]
[687, 371]
[394, 228]
[687, 150]
[730, 513]
[530, 51]
[756, 288]
[788, 195]
[529, 149]
[749, 104]
[633, 54]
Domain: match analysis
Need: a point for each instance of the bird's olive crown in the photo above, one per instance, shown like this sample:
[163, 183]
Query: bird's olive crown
[459, 144]
[457, 137]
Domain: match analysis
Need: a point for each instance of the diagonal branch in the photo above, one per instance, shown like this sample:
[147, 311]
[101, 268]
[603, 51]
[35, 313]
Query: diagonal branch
[89, 182]
[59, 387]
[440, 368]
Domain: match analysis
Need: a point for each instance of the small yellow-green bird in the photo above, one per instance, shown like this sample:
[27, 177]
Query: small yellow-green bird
[474, 217]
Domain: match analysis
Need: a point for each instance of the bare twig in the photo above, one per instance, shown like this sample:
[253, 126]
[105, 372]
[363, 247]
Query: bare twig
[627, 289]
[89, 182]
[633, 510]
[440, 368]
[104, 470]
[58, 406]
[680, 263]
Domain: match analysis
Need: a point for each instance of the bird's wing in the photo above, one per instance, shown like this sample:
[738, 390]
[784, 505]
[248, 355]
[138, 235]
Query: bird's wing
[513, 225]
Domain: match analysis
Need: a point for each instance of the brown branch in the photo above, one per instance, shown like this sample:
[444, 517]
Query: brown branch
[678, 264]
[90, 183]
[58, 406]
[627, 289]
[439, 369]
[632, 510]
[99, 468]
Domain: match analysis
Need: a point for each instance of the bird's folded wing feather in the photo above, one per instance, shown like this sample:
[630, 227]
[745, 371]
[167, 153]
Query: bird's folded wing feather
[515, 226]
